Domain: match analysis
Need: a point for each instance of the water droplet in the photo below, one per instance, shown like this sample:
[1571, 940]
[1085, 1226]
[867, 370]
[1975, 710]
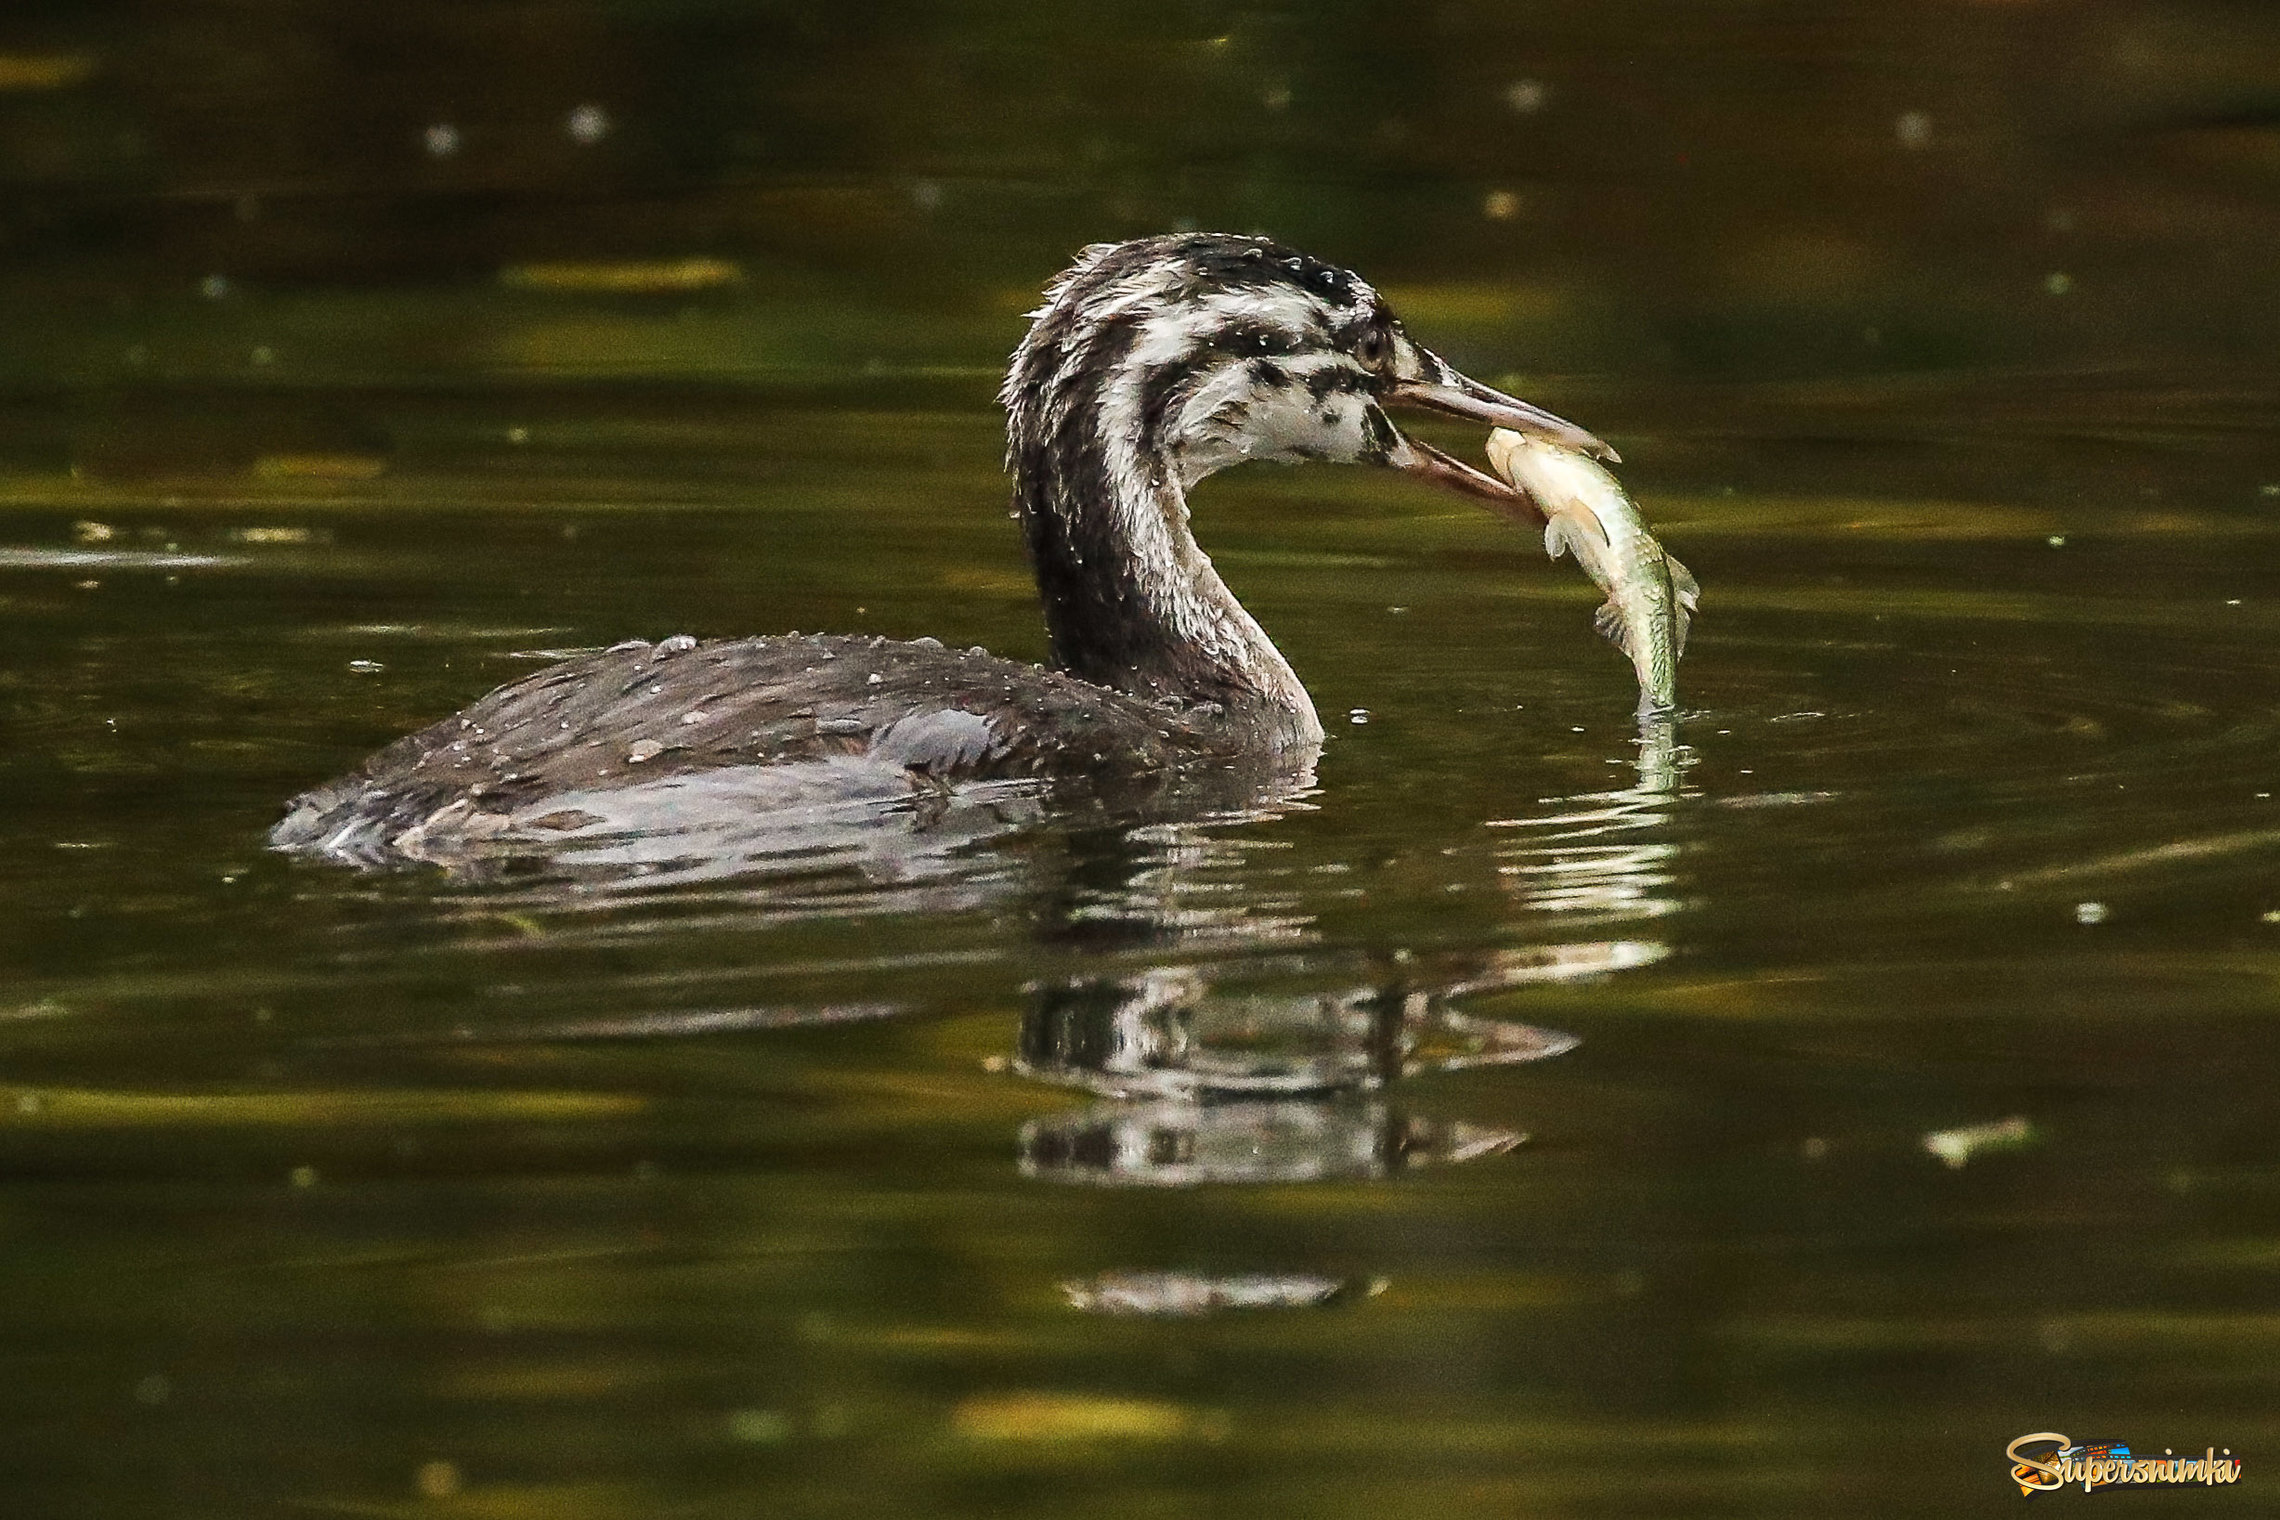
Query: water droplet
[2057, 283]
[303, 1177]
[214, 287]
[2089, 912]
[588, 125]
[2056, 540]
[437, 1480]
[1527, 96]
[1500, 205]
[1913, 129]
[760, 1427]
[440, 140]
[154, 1390]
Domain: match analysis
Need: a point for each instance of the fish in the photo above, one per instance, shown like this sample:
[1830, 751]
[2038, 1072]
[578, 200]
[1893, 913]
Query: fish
[1651, 597]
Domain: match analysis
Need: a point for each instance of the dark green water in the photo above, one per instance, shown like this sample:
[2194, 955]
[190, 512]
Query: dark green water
[793, 1191]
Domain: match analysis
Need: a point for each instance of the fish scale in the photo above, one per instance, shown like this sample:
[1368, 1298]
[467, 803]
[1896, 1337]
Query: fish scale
[1651, 597]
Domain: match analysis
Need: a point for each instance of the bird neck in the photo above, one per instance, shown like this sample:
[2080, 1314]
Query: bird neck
[1131, 600]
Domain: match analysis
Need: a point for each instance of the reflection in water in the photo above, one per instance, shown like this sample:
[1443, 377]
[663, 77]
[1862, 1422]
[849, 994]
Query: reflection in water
[1590, 857]
[1174, 1144]
[1255, 1087]
[1168, 1034]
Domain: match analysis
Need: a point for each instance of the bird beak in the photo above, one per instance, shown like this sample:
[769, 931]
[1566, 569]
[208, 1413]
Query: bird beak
[1439, 387]
[1451, 473]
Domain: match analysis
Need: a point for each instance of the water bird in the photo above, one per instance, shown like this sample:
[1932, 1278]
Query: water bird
[1150, 365]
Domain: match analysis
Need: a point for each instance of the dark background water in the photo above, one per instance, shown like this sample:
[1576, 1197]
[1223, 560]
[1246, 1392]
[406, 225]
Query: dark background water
[431, 336]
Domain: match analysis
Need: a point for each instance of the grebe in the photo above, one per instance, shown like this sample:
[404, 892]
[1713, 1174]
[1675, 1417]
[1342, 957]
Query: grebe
[1151, 365]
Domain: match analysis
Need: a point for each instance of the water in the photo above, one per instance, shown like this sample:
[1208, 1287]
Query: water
[1777, 1114]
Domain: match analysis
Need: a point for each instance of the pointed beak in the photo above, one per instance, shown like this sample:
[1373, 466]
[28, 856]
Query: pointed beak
[1442, 389]
[1451, 473]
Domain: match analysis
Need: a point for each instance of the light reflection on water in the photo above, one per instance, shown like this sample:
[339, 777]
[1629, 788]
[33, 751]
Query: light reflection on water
[914, 1143]
[1601, 853]
[1069, 1163]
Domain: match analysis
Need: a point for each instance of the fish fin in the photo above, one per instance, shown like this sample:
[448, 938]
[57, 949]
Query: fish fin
[1682, 581]
[1569, 528]
[1686, 591]
[1609, 621]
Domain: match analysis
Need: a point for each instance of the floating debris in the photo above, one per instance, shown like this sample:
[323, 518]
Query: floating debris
[1191, 1295]
[2090, 912]
[1955, 1147]
[111, 559]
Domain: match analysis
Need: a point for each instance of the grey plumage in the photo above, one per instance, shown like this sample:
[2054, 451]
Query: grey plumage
[1150, 365]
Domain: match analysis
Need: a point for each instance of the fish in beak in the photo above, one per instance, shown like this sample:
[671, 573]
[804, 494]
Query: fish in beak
[1427, 381]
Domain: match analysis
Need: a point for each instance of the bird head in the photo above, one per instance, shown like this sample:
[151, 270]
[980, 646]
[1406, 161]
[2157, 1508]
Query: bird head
[1169, 358]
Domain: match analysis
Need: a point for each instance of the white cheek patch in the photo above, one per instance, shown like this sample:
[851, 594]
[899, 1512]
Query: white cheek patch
[1232, 415]
[1290, 424]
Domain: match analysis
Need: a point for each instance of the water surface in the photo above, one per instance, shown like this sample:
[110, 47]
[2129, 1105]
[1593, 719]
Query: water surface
[1774, 1116]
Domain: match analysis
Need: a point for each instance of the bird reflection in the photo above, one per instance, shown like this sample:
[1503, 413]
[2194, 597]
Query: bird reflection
[1171, 1034]
[1214, 1075]
[1183, 1144]
[1217, 1086]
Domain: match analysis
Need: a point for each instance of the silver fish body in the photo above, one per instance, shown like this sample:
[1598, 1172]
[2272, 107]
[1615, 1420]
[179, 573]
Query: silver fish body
[1650, 596]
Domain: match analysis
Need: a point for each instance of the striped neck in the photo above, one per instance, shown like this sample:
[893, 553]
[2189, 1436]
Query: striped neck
[1100, 486]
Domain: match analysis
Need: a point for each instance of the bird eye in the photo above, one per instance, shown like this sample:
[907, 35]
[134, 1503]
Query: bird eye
[1374, 349]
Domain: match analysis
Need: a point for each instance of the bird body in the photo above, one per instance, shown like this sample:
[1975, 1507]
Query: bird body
[1150, 366]
[640, 714]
